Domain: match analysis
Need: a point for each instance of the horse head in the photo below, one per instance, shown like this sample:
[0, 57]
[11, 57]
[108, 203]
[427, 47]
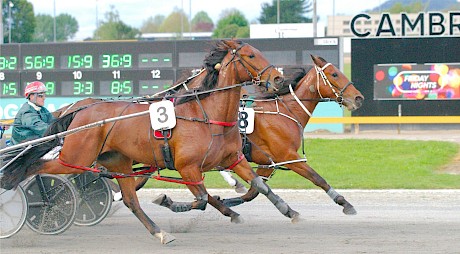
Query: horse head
[249, 64]
[332, 83]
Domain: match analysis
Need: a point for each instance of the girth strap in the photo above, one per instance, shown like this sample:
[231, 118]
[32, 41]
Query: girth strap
[240, 158]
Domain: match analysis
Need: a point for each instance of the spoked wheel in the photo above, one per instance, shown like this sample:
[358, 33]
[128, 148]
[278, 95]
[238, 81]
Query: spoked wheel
[52, 202]
[95, 198]
[13, 211]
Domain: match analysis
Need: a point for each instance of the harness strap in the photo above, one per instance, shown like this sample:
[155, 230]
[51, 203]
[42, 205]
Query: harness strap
[94, 170]
[176, 180]
[298, 101]
[240, 158]
[226, 124]
[194, 119]
[142, 172]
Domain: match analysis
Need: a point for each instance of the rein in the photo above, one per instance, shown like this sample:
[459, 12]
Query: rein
[147, 172]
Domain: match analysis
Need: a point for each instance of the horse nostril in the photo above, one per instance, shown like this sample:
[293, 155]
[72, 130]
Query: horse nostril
[359, 101]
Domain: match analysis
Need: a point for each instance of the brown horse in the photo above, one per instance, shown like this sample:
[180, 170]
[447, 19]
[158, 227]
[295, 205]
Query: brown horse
[271, 124]
[280, 120]
[205, 136]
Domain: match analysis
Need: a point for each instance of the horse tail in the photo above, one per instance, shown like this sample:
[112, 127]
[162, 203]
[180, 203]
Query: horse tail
[29, 162]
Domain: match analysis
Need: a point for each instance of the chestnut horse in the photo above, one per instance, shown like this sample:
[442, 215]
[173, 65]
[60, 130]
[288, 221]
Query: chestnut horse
[205, 136]
[280, 120]
[283, 112]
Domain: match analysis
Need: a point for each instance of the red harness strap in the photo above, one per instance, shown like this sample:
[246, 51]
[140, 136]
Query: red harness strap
[176, 180]
[150, 170]
[226, 124]
[240, 158]
[95, 170]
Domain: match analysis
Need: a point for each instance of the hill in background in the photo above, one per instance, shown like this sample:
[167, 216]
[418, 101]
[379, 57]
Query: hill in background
[430, 5]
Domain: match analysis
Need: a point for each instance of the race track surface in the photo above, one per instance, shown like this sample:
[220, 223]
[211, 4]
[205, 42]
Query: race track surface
[388, 221]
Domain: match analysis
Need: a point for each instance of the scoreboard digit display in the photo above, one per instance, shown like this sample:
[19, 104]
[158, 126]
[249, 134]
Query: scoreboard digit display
[128, 69]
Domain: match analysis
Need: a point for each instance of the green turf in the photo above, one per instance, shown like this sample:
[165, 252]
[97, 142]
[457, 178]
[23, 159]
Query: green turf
[362, 164]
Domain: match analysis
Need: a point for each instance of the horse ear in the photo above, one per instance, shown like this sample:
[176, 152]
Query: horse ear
[316, 61]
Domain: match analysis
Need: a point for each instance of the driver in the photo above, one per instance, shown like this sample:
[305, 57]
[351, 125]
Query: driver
[33, 118]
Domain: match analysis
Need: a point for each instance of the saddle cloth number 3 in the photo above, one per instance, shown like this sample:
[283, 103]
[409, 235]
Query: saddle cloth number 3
[162, 115]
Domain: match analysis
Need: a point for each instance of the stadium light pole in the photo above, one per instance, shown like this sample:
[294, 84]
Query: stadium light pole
[278, 12]
[1, 22]
[10, 20]
[315, 21]
[54, 20]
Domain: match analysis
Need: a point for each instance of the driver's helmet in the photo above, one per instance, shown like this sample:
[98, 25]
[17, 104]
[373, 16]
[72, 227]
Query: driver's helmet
[34, 87]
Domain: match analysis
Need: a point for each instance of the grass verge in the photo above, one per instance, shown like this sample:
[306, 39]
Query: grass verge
[362, 164]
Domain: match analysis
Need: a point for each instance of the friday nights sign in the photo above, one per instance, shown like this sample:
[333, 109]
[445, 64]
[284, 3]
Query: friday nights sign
[436, 23]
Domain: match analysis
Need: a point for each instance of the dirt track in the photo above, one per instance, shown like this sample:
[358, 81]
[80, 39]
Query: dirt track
[388, 221]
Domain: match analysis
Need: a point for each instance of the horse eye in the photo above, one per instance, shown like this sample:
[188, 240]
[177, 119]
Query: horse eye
[335, 75]
[252, 56]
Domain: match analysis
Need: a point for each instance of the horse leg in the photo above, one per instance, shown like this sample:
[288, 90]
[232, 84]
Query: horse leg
[232, 181]
[251, 194]
[243, 169]
[120, 163]
[201, 198]
[309, 173]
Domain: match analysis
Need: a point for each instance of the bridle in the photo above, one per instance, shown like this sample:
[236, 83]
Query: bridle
[255, 80]
[339, 94]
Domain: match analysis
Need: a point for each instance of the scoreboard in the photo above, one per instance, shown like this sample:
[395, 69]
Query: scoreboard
[87, 69]
[130, 68]
[76, 70]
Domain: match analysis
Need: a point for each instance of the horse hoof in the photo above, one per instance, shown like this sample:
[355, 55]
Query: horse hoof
[164, 237]
[349, 210]
[295, 218]
[160, 199]
[236, 219]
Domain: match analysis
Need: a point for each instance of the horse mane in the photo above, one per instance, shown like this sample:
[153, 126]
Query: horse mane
[292, 79]
[217, 53]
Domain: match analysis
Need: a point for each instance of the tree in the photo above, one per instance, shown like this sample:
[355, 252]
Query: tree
[291, 11]
[66, 28]
[112, 28]
[232, 24]
[152, 24]
[176, 22]
[23, 21]
[202, 22]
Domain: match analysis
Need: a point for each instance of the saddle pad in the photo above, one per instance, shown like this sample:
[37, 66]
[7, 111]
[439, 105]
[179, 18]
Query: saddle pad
[159, 134]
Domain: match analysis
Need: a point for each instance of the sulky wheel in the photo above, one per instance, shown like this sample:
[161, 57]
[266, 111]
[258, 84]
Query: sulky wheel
[95, 198]
[52, 203]
[13, 211]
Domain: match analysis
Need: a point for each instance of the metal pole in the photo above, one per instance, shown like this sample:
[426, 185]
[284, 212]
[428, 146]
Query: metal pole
[54, 20]
[182, 20]
[333, 18]
[1, 22]
[278, 12]
[314, 19]
[97, 18]
[190, 18]
[10, 20]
